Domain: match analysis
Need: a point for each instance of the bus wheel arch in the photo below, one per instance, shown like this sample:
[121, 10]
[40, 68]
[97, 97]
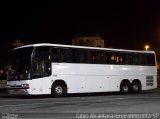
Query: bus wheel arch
[125, 86]
[136, 86]
[59, 88]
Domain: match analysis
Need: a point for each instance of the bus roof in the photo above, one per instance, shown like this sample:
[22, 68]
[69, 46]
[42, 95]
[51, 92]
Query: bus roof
[85, 47]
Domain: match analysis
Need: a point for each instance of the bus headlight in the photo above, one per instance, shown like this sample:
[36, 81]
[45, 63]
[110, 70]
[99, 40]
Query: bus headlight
[25, 85]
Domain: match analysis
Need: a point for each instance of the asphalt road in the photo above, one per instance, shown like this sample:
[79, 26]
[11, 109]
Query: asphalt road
[83, 106]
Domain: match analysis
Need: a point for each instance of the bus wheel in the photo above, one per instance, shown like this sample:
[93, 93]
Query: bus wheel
[124, 88]
[58, 90]
[136, 87]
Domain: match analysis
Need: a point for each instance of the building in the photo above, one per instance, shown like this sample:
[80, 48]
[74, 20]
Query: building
[93, 41]
[17, 43]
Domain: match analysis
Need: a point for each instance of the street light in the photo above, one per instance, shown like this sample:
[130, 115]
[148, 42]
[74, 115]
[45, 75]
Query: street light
[146, 47]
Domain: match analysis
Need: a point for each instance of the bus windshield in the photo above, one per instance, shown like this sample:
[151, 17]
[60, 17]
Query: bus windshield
[20, 63]
[22, 53]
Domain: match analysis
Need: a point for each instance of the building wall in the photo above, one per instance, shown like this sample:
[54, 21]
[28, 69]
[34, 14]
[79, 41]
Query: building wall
[93, 41]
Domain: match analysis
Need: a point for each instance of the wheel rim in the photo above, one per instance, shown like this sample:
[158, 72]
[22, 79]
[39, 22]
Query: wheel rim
[125, 88]
[135, 87]
[58, 90]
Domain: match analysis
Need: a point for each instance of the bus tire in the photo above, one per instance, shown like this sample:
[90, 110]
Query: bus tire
[136, 87]
[125, 87]
[58, 89]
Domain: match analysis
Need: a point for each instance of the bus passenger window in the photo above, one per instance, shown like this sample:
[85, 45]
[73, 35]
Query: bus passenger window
[42, 53]
[122, 58]
[65, 55]
[100, 57]
[135, 59]
[75, 56]
[139, 59]
[92, 57]
[83, 56]
[150, 60]
[107, 58]
[142, 59]
[54, 54]
[129, 59]
[113, 58]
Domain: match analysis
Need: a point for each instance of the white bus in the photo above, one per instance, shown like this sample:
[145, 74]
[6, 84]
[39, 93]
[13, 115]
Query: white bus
[61, 69]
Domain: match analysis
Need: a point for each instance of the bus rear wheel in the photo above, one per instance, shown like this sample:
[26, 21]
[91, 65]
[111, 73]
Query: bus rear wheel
[135, 87]
[58, 90]
[124, 88]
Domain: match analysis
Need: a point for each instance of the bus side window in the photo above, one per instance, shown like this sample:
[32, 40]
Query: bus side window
[101, 57]
[65, 55]
[83, 56]
[107, 58]
[135, 59]
[122, 58]
[75, 56]
[113, 58]
[142, 59]
[54, 54]
[42, 53]
[150, 60]
[129, 59]
[139, 59]
[92, 57]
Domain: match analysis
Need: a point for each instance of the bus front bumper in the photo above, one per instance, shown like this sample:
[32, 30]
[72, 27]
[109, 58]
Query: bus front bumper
[18, 91]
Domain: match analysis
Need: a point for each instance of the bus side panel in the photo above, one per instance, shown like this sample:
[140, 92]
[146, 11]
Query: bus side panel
[47, 84]
[75, 83]
[37, 85]
[150, 78]
[83, 77]
[101, 78]
[42, 85]
[97, 83]
[71, 74]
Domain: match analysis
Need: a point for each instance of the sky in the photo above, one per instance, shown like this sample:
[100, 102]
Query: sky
[126, 24]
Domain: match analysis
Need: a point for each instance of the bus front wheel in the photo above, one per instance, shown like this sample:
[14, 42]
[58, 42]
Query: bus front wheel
[58, 90]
